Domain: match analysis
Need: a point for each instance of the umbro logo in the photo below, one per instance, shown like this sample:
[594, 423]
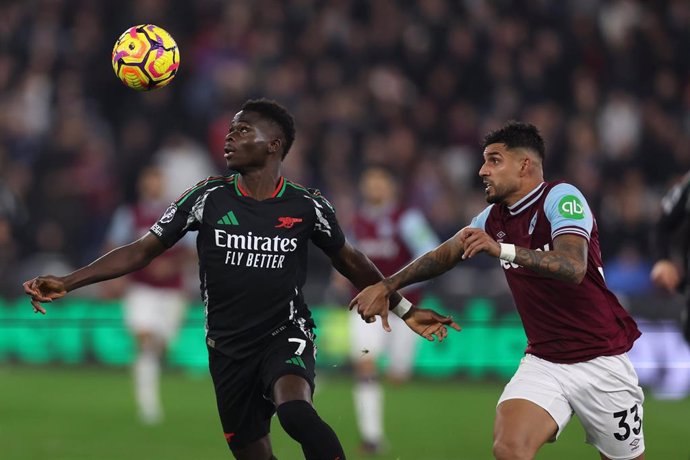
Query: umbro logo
[228, 219]
[287, 222]
[500, 235]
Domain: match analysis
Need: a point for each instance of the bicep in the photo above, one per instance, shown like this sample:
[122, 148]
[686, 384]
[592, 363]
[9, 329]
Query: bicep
[151, 246]
[573, 246]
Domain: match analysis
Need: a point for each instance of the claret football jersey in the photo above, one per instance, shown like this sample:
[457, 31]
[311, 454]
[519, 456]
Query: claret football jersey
[252, 256]
[564, 322]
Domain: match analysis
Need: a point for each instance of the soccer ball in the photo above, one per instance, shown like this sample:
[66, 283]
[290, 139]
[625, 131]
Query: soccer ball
[145, 57]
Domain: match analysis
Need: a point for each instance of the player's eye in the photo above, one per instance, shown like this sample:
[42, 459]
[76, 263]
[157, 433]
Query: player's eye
[244, 129]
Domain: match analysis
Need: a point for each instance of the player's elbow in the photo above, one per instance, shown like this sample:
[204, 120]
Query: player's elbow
[579, 277]
[579, 272]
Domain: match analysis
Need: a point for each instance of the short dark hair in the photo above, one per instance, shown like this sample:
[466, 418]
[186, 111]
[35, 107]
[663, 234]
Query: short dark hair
[516, 134]
[277, 113]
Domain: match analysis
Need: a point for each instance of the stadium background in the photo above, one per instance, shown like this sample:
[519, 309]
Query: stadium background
[410, 84]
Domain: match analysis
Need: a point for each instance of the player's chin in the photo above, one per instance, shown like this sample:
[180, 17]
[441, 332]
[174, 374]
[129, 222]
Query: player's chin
[493, 198]
[231, 163]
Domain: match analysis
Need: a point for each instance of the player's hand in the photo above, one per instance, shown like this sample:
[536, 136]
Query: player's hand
[373, 301]
[475, 241]
[44, 289]
[665, 275]
[429, 324]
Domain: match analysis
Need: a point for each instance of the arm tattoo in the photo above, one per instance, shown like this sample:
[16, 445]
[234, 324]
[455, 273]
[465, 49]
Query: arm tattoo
[564, 263]
[430, 265]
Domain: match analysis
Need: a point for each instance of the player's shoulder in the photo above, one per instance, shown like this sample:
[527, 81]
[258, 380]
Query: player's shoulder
[565, 202]
[479, 221]
[560, 191]
[203, 185]
[309, 192]
[302, 189]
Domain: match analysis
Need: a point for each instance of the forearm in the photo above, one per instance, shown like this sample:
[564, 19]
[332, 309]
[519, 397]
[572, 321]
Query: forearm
[428, 266]
[553, 264]
[361, 271]
[115, 263]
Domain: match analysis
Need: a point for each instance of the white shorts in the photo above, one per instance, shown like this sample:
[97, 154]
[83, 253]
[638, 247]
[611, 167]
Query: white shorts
[370, 339]
[154, 310]
[603, 392]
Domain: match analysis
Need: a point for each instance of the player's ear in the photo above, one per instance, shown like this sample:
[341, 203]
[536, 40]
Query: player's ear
[525, 164]
[275, 145]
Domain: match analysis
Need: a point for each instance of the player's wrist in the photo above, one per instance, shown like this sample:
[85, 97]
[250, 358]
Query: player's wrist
[508, 252]
[402, 307]
[389, 285]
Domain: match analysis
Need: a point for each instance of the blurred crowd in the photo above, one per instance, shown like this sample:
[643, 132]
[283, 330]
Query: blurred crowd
[413, 84]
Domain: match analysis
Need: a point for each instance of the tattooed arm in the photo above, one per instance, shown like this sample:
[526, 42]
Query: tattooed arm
[566, 262]
[432, 264]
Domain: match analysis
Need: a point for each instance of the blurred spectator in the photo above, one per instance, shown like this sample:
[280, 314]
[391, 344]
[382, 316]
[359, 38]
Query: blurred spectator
[672, 231]
[409, 84]
[154, 297]
[391, 234]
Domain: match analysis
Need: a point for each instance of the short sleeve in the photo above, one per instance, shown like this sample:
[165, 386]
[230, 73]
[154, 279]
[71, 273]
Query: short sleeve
[183, 215]
[327, 234]
[479, 220]
[567, 210]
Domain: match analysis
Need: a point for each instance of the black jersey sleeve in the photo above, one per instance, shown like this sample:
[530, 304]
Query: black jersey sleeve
[675, 210]
[327, 234]
[185, 213]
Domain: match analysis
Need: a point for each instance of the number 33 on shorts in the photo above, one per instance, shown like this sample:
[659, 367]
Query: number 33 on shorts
[625, 423]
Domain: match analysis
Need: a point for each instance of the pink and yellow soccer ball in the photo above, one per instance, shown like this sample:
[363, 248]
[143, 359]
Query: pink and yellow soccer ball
[145, 57]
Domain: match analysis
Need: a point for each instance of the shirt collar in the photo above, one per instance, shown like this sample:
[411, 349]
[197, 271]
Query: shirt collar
[527, 200]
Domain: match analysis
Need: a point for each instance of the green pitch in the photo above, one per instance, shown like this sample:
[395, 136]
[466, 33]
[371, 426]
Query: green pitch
[86, 414]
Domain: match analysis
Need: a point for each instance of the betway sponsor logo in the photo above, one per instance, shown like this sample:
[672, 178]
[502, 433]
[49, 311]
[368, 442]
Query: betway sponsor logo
[251, 242]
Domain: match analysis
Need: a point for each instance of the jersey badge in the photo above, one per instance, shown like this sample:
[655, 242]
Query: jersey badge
[532, 223]
[287, 222]
[571, 207]
[169, 214]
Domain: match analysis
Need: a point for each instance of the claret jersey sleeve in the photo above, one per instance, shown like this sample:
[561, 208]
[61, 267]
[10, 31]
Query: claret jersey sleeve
[567, 210]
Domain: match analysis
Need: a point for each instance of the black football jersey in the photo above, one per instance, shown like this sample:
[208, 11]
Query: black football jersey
[252, 256]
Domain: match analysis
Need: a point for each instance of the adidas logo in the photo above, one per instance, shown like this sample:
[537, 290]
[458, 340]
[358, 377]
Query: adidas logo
[228, 219]
[297, 361]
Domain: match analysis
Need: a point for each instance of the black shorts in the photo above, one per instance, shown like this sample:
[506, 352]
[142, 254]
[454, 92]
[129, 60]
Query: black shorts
[244, 387]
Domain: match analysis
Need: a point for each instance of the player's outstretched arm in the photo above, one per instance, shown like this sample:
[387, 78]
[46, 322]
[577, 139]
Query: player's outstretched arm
[430, 265]
[356, 267]
[362, 272]
[429, 324]
[117, 262]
